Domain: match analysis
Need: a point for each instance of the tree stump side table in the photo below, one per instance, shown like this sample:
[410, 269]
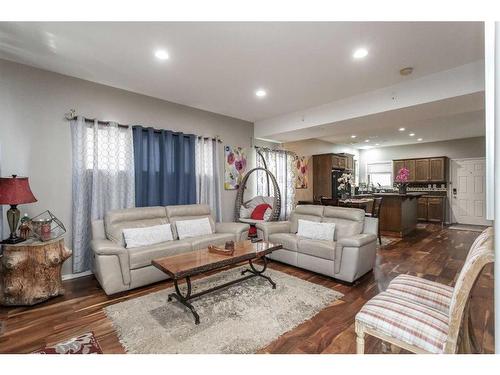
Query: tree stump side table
[30, 272]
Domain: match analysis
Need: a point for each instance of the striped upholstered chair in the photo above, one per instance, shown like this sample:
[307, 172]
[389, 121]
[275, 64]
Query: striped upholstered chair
[423, 316]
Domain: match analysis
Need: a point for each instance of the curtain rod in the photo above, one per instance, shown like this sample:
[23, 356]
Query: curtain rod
[275, 150]
[71, 115]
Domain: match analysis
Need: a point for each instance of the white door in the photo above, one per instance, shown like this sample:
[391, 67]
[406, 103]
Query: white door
[468, 193]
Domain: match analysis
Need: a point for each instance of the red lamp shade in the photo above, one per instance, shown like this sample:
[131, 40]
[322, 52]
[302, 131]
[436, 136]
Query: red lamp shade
[15, 190]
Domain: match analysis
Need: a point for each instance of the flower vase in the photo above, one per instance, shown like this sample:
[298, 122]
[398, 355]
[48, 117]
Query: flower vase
[402, 189]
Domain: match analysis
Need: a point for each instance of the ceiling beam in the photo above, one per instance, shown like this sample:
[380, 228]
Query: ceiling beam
[462, 80]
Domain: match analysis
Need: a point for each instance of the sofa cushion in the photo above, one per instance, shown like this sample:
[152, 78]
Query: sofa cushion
[202, 242]
[305, 212]
[348, 221]
[288, 240]
[117, 220]
[405, 320]
[317, 248]
[142, 256]
[188, 212]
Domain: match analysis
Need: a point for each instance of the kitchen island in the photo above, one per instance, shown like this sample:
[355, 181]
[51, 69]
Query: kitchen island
[398, 214]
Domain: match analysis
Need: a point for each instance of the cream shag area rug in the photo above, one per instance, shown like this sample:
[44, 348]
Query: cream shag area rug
[239, 319]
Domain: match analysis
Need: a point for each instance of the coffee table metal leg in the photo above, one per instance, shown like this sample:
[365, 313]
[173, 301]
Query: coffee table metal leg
[185, 298]
[260, 273]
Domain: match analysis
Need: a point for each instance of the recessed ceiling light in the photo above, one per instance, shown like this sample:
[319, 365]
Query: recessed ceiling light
[367, 140]
[260, 93]
[411, 134]
[402, 129]
[420, 139]
[377, 144]
[161, 54]
[360, 53]
[353, 136]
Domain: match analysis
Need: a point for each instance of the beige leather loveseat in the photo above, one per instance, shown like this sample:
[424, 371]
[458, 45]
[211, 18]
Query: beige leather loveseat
[348, 256]
[118, 268]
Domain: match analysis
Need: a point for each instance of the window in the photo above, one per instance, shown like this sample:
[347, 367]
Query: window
[379, 174]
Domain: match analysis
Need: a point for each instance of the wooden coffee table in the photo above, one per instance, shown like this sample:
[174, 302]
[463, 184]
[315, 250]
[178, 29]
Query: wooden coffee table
[184, 266]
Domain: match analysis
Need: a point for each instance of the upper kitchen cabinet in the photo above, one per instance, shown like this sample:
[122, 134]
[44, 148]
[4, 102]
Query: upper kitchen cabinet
[424, 170]
[437, 169]
[397, 165]
[409, 164]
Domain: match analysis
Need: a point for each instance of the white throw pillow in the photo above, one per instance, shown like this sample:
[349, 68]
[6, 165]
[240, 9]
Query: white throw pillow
[245, 212]
[136, 237]
[316, 231]
[193, 228]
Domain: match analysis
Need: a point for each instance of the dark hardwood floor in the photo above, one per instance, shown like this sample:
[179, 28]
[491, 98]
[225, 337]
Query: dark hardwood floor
[434, 253]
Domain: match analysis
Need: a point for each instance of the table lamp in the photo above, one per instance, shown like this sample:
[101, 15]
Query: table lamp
[13, 191]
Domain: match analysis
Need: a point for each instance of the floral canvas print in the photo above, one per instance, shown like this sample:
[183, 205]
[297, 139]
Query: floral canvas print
[301, 166]
[235, 166]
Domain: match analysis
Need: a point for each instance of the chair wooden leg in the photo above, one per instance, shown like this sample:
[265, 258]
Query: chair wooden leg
[360, 339]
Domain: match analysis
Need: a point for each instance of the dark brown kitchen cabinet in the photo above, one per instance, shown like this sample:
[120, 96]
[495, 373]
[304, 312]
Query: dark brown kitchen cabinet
[435, 209]
[342, 162]
[350, 162]
[422, 209]
[437, 169]
[322, 175]
[323, 165]
[421, 170]
[431, 208]
[398, 164]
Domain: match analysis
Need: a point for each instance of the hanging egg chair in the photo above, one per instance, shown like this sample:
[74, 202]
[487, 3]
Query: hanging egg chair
[275, 200]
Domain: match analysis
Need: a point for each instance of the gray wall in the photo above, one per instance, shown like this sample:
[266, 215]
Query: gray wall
[454, 149]
[35, 137]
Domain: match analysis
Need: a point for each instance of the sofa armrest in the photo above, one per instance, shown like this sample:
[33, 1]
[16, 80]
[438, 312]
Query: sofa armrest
[240, 230]
[371, 225]
[106, 247]
[97, 227]
[110, 248]
[271, 227]
[357, 240]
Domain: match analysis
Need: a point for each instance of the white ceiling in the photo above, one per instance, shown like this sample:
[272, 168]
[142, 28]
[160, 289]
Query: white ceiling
[453, 118]
[218, 66]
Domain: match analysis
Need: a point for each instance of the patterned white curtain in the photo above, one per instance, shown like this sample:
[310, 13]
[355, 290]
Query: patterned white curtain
[103, 179]
[281, 165]
[208, 177]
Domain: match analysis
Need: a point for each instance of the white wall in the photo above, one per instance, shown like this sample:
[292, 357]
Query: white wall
[35, 137]
[454, 149]
[311, 147]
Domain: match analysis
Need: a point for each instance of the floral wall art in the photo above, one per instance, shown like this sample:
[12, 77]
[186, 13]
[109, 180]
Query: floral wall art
[235, 166]
[302, 167]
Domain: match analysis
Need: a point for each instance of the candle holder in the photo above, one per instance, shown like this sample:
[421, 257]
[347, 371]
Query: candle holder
[46, 226]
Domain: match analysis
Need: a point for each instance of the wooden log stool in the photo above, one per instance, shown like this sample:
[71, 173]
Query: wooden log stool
[30, 272]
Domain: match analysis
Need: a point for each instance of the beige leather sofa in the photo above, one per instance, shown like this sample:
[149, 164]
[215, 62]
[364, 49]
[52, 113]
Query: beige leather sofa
[351, 253]
[118, 268]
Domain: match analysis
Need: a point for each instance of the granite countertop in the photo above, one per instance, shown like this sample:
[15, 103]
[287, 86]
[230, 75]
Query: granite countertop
[407, 195]
[394, 194]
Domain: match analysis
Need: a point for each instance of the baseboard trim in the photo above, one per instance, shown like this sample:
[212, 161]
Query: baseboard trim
[70, 276]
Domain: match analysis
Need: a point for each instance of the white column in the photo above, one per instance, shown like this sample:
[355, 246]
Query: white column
[497, 185]
[489, 88]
